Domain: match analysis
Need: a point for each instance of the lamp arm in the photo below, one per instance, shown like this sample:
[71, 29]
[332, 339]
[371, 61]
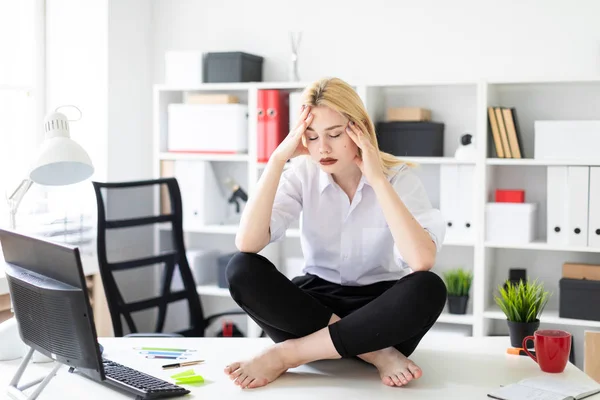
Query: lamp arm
[15, 199]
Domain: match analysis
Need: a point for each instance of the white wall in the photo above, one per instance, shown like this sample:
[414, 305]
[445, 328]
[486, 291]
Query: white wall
[377, 40]
[99, 59]
[129, 89]
[76, 72]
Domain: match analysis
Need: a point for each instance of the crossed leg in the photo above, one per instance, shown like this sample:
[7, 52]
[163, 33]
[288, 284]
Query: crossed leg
[383, 332]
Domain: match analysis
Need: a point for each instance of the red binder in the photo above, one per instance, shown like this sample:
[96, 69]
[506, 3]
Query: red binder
[261, 128]
[273, 121]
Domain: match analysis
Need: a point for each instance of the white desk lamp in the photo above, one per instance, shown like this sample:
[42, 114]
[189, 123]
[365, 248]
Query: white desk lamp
[60, 161]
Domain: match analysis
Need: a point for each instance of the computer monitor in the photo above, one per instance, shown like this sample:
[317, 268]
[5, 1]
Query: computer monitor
[50, 301]
[54, 317]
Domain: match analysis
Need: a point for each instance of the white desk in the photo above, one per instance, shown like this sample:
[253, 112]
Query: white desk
[465, 368]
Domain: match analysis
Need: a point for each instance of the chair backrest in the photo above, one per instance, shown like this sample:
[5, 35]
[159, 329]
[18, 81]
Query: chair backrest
[128, 225]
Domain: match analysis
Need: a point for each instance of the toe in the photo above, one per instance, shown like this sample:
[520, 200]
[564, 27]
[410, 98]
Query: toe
[249, 383]
[240, 379]
[232, 367]
[407, 375]
[245, 382]
[387, 381]
[415, 370]
[258, 383]
[235, 374]
[396, 379]
[404, 378]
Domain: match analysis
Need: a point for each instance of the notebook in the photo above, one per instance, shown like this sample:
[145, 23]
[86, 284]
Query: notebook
[545, 388]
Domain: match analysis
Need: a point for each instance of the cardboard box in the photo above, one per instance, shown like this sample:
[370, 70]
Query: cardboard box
[197, 98]
[581, 271]
[167, 170]
[591, 357]
[408, 114]
[4, 302]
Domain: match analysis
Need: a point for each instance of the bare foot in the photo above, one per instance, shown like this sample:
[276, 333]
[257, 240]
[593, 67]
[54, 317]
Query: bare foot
[394, 368]
[260, 370]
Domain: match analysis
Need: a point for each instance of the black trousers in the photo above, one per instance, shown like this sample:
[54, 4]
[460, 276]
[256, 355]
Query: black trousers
[389, 313]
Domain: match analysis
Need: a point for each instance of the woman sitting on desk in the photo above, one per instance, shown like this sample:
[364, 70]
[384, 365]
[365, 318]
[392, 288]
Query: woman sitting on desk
[369, 238]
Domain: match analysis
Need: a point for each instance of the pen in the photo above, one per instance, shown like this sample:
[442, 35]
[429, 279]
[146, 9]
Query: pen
[182, 364]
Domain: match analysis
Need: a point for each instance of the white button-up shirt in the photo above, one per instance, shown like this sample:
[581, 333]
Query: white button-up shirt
[348, 243]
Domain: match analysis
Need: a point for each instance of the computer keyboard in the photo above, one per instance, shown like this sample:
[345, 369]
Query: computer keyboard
[143, 385]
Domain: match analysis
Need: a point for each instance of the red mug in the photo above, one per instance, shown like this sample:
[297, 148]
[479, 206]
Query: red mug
[552, 349]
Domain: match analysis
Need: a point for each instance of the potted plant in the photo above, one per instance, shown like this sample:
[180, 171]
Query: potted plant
[458, 283]
[522, 303]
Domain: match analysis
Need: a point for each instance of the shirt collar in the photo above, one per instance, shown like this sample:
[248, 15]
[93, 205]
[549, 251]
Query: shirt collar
[326, 179]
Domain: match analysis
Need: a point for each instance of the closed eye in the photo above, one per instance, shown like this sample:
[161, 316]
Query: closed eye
[334, 136]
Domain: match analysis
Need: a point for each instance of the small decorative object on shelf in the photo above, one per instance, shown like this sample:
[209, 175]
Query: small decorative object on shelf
[237, 193]
[295, 39]
[466, 150]
[458, 283]
[522, 303]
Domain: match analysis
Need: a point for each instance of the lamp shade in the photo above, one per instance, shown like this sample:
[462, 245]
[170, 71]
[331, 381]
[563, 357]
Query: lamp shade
[60, 161]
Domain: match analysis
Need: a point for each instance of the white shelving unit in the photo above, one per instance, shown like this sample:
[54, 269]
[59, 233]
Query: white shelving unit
[462, 107]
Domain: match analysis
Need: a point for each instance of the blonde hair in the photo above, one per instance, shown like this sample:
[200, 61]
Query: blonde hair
[341, 97]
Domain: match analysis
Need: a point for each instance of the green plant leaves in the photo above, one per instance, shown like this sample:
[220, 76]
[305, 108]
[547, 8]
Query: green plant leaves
[522, 302]
[458, 282]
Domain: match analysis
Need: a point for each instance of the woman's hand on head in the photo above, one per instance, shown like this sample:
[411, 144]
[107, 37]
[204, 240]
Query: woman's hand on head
[370, 161]
[292, 145]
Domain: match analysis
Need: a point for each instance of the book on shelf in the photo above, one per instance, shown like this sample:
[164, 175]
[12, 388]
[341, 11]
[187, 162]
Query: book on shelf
[545, 388]
[505, 130]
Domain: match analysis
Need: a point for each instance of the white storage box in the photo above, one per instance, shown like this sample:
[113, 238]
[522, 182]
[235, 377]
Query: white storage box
[202, 198]
[208, 128]
[566, 140]
[510, 223]
[295, 99]
[203, 264]
[183, 67]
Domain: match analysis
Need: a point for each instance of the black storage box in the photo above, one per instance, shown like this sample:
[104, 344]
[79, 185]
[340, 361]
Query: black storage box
[232, 67]
[222, 262]
[579, 298]
[411, 139]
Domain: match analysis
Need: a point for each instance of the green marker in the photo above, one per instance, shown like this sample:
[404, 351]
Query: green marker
[162, 349]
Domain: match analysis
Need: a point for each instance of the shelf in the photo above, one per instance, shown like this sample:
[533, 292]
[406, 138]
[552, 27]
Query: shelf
[548, 317]
[212, 290]
[232, 86]
[263, 165]
[457, 243]
[221, 229]
[540, 163]
[461, 319]
[435, 160]
[539, 245]
[204, 157]
[416, 160]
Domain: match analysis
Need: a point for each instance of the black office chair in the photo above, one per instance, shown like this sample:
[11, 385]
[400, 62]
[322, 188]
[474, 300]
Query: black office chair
[126, 241]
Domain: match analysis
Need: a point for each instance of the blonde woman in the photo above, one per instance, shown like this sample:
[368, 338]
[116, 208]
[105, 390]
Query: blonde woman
[369, 238]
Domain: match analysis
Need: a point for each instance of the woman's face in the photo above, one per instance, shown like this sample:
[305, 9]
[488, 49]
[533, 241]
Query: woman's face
[328, 142]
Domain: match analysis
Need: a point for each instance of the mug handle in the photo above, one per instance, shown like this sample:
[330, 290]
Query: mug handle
[527, 338]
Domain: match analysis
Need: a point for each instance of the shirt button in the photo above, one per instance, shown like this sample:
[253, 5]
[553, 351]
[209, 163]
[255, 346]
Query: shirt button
[345, 257]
